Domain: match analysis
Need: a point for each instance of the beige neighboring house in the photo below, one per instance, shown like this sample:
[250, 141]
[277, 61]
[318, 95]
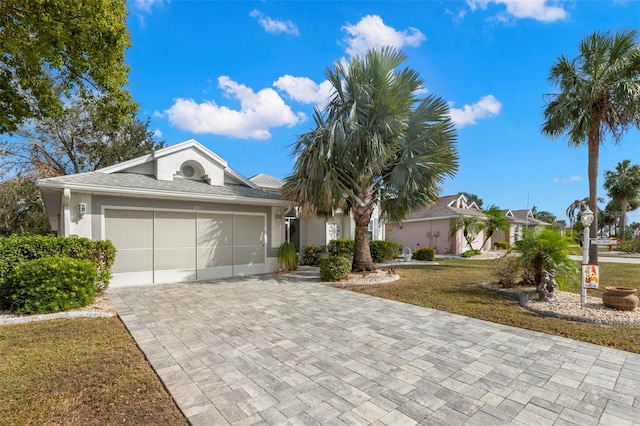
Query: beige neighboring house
[431, 227]
[315, 230]
[519, 220]
[178, 214]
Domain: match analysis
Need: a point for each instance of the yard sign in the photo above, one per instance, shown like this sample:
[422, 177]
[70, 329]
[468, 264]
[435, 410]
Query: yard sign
[590, 276]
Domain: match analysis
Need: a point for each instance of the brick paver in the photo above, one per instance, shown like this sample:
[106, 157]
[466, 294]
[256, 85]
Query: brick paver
[273, 350]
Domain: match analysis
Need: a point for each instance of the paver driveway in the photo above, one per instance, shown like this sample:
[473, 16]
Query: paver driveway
[270, 350]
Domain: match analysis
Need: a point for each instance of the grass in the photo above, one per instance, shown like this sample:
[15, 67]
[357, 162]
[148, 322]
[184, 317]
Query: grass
[82, 371]
[453, 287]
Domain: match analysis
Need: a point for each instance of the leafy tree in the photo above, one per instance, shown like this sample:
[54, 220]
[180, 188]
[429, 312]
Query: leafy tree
[52, 51]
[473, 198]
[470, 226]
[78, 140]
[495, 221]
[623, 184]
[374, 143]
[599, 93]
[21, 209]
[543, 215]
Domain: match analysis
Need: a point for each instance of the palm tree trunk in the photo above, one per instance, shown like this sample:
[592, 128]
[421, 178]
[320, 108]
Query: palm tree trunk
[362, 211]
[623, 217]
[362, 260]
[593, 148]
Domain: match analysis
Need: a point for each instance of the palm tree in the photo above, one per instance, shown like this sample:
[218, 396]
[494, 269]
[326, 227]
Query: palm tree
[599, 93]
[573, 211]
[470, 226]
[623, 184]
[375, 143]
[495, 221]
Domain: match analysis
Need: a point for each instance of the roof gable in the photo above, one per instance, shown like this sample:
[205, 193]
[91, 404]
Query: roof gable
[447, 207]
[167, 164]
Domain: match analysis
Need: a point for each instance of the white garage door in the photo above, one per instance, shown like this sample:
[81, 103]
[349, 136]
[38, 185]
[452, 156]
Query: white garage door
[157, 247]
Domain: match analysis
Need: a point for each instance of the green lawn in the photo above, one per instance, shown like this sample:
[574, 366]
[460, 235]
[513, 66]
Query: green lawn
[79, 372]
[453, 287]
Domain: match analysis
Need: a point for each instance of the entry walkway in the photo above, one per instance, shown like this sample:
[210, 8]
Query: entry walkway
[269, 350]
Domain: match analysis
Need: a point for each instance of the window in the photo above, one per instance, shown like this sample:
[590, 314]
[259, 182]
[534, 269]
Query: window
[372, 227]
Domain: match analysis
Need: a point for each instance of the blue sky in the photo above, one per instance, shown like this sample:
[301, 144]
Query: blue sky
[243, 77]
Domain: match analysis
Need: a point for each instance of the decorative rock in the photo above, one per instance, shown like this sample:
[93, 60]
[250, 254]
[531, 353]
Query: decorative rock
[623, 298]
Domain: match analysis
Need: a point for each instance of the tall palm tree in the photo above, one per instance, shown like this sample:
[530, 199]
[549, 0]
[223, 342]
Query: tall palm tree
[623, 184]
[495, 221]
[375, 143]
[599, 93]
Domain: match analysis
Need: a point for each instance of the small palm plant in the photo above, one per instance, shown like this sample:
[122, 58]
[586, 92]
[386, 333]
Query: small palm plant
[288, 257]
[544, 249]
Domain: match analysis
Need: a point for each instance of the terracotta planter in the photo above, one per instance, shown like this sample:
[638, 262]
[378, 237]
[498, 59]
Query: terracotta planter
[623, 298]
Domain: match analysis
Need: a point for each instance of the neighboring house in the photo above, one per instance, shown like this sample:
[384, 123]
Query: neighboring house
[431, 227]
[315, 230]
[519, 220]
[177, 214]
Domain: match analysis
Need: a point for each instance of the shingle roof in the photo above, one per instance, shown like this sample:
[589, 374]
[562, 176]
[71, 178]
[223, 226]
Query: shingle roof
[442, 208]
[524, 217]
[134, 181]
[266, 181]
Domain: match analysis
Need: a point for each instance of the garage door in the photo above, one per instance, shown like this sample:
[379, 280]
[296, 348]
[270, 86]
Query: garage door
[156, 247]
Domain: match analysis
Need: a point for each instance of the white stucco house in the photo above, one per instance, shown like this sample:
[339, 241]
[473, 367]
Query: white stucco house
[180, 213]
[431, 226]
[315, 230]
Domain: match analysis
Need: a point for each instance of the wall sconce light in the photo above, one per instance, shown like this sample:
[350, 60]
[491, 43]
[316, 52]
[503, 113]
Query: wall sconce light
[82, 208]
[278, 217]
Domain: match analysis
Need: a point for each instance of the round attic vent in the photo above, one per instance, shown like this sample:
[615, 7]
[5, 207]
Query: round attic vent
[188, 171]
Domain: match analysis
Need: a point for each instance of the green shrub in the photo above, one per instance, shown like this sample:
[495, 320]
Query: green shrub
[288, 256]
[501, 245]
[341, 247]
[471, 253]
[15, 249]
[311, 255]
[425, 253]
[630, 246]
[51, 284]
[383, 250]
[334, 268]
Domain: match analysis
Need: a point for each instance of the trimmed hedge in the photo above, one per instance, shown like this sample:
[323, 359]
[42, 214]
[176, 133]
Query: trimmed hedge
[425, 253]
[51, 284]
[383, 250]
[16, 249]
[334, 268]
[341, 247]
[311, 255]
[501, 245]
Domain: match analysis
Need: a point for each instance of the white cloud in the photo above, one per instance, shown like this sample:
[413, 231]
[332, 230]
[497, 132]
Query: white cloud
[486, 107]
[371, 31]
[147, 5]
[305, 90]
[539, 10]
[569, 180]
[258, 113]
[421, 91]
[273, 26]
[157, 133]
